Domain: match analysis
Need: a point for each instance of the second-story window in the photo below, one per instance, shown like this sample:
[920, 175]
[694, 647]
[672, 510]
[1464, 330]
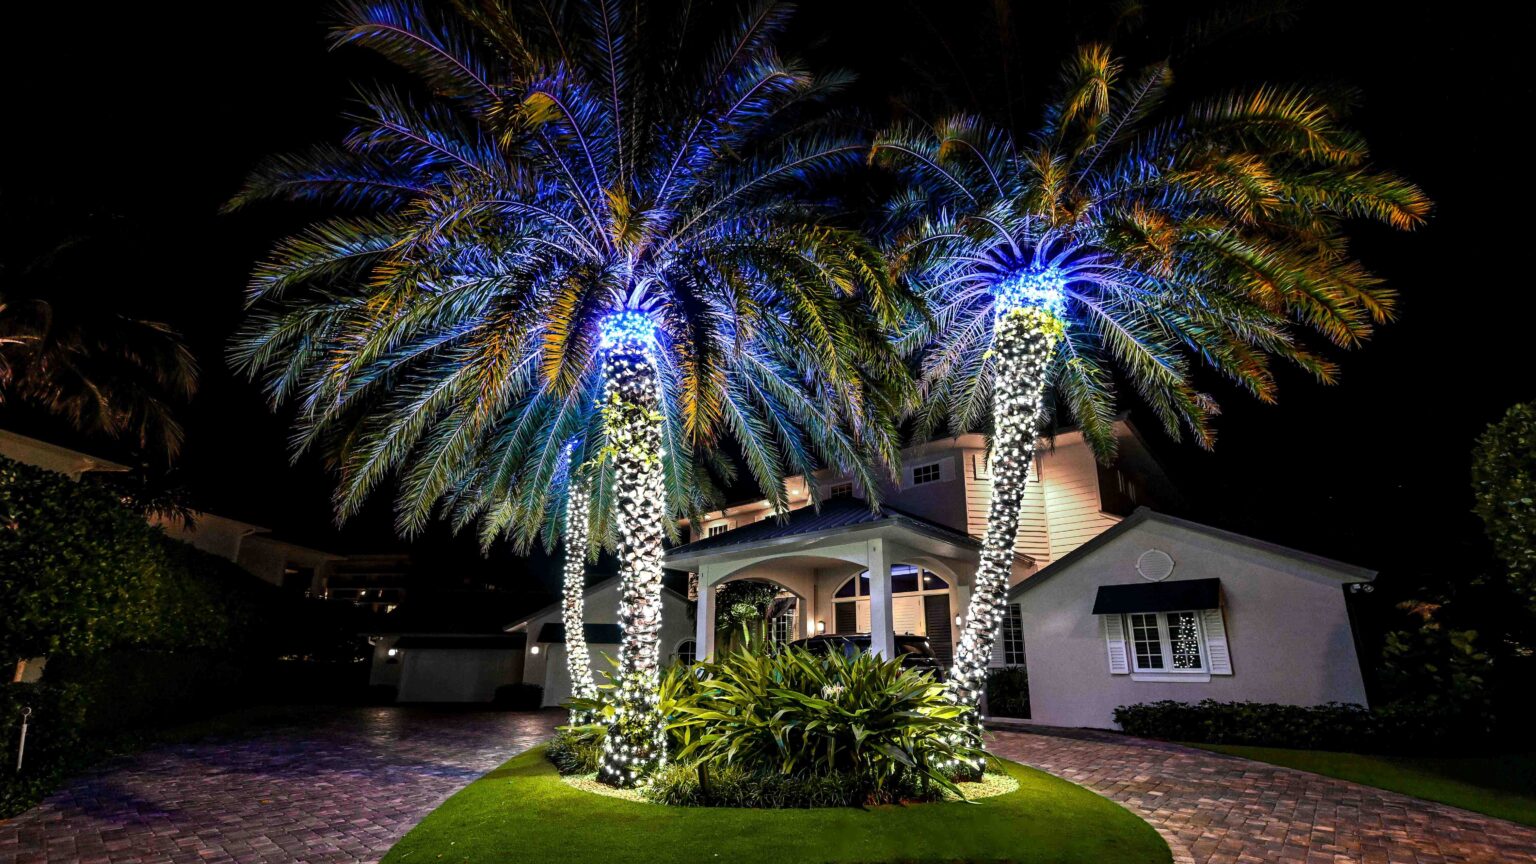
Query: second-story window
[926, 474]
[717, 530]
[841, 490]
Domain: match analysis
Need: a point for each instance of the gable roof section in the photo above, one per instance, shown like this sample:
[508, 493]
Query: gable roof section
[592, 589]
[1348, 572]
[835, 514]
[553, 632]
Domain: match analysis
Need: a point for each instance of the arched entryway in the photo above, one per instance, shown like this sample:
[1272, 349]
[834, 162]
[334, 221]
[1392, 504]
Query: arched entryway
[921, 604]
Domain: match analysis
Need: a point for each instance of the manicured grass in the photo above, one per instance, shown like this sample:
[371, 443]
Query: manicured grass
[1502, 786]
[522, 811]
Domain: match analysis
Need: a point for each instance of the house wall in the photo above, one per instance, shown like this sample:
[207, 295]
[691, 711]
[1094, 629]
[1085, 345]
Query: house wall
[1287, 629]
[547, 667]
[456, 675]
[1062, 505]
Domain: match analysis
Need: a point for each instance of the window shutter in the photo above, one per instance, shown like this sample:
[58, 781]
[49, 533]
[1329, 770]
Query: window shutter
[1216, 642]
[946, 470]
[1114, 640]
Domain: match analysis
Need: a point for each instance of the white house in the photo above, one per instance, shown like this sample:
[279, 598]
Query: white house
[544, 634]
[1161, 608]
[1112, 603]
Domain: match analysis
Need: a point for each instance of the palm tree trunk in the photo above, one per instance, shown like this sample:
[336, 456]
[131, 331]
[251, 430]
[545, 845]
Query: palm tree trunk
[1024, 343]
[632, 421]
[578, 661]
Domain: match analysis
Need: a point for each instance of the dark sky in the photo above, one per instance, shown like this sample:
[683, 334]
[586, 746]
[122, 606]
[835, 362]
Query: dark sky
[155, 112]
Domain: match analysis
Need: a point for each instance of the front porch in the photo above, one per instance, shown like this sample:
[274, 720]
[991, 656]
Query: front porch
[850, 569]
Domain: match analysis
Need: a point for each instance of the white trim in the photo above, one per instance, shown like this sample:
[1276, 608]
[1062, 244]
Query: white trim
[1191, 677]
[1165, 647]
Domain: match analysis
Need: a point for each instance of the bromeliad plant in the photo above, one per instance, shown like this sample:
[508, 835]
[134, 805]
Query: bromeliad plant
[883, 732]
[793, 712]
[1124, 238]
[587, 224]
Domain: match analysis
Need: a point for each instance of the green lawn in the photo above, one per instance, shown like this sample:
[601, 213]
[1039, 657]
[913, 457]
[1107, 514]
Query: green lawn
[523, 811]
[1502, 786]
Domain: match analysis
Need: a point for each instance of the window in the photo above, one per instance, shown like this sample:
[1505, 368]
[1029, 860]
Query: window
[1167, 642]
[717, 530]
[1013, 636]
[926, 474]
[841, 490]
[687, 652]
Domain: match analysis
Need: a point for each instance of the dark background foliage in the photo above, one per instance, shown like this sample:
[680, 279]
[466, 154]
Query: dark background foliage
[152, 115]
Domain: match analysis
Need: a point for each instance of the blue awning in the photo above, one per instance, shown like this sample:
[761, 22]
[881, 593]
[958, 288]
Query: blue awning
[1176, 596]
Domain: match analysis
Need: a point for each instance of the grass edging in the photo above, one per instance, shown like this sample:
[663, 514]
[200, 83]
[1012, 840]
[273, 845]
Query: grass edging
[1501, 786]
[524, 809]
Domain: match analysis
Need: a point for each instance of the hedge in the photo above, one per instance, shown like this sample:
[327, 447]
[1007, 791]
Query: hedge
[1335, 726]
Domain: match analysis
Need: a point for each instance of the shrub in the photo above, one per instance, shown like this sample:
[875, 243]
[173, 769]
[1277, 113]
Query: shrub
[574, 751]
[1335, 726]
[1008, 692]
[53, 741]
[724, 784]
[519, 697]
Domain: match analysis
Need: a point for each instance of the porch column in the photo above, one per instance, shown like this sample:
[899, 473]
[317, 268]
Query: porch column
[704, 638]
[882, 627]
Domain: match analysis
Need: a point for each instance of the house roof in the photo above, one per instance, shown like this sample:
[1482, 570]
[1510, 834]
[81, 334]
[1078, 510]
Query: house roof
[834, 514]
[1349, 572]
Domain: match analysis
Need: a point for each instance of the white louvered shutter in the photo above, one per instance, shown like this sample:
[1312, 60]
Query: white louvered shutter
[1114, 644]
[1216, 642]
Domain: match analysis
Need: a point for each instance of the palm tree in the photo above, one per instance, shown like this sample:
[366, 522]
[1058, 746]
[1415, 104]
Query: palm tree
[63, 351]
[1125, 238]
[590, 227]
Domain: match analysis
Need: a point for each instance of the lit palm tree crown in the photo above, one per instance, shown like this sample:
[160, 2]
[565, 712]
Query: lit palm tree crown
[1122, 236]
[586, 258]
[570, 162]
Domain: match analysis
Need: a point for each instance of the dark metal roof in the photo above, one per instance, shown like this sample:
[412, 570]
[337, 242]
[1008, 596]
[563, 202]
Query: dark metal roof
[597, 634]
[834, 513]
[462, 643]
[1179, 595]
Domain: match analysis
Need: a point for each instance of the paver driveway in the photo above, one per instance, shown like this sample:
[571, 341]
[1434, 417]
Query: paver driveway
[346, 787]
[341, 789]
[1215, 809]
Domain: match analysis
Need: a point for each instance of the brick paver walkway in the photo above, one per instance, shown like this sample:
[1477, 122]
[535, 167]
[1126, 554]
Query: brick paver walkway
[341, 789]
[345, 788]
[1215, 809]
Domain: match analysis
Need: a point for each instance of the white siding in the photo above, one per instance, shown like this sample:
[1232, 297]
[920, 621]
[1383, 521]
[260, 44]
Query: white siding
[1034, 535]
[1072, 499]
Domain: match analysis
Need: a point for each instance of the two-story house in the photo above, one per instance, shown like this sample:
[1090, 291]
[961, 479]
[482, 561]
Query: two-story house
[1112, 602]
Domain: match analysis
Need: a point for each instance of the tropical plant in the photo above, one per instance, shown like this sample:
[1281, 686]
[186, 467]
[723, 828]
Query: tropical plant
[1124, 237]
[590, 226]
[788, 713]
[64, 351]
[1504, 486]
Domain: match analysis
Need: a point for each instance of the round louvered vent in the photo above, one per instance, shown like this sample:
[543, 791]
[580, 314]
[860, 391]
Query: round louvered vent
[1154, 565]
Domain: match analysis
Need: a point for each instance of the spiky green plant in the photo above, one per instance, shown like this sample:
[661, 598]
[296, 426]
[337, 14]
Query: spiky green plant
[588, 225]
[1123, 237]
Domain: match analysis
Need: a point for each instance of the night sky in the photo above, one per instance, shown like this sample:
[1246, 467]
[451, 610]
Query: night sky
[154, 113]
